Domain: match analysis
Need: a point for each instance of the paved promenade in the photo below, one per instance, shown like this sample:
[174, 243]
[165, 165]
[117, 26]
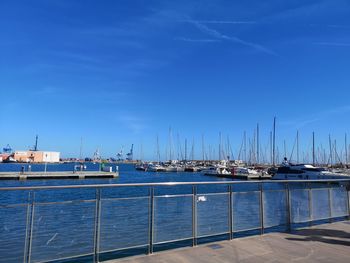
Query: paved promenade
[322, 243]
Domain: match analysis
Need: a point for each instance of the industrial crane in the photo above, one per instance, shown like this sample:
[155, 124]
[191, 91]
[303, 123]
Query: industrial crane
[129, 156]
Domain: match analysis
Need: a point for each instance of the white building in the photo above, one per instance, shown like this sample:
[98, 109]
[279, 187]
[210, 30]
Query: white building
[37, 156]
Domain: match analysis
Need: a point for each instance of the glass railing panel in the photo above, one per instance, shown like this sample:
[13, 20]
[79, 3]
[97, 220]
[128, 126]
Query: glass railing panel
[212, 214]
[63, 230]
[172, 218]
[320, 204]
[300, 209]
[339, 202]
[246, 211]
[275, 208]
[124, 223]
[12, 233]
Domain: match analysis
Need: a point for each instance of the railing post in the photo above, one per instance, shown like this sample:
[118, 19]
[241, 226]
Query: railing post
[230, 212]
[310, 204]
[29, 227]
[330, 202]
[194, 215]
[97, 225]
[29, 219]
[348, 201]
[289, 208]
[261, 209]
[150, 220]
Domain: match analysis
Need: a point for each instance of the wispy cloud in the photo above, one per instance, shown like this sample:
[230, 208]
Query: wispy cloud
[74, 56]
[319, 116]
[216, 34]
[333, 44]
[197, 40]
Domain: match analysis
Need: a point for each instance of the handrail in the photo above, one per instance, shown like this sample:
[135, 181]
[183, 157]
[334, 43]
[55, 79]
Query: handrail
[51, 187]
[152, 224]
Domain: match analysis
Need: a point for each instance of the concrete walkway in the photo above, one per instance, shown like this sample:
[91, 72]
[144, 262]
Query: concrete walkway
[323, 243]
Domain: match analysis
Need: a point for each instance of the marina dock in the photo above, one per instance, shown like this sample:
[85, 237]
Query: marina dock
[322, 243]
[57, 175]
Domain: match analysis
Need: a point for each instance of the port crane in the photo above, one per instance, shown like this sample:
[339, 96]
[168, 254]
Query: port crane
[129, 155]
[7, 149]
[120, 155]
[97, 156]
[35, 147]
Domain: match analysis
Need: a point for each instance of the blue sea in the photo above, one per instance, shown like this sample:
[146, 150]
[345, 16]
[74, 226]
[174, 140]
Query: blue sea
[64, 221]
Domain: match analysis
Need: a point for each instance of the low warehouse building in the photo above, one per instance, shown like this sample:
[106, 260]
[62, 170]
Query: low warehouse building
[37, 156]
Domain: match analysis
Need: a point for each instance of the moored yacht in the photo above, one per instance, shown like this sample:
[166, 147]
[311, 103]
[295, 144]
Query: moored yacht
[290, 171]
[220, 170]
[141, 166]
[156, 168]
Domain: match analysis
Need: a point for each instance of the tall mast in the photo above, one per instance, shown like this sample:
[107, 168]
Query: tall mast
[245, 146]
[203, 157]
[250, 152]
[336, 156]
[346, 149]
[192, 150]
[170, 145]
[257, 144]
[141, 151]
[179, 148]
[185, 149]
[274, 142]
[81, 148]
[229, 149]
[252, 148]
[330, 150]
[219, 146]
[271, 147]
[158, 152]
[297, 146]
[313, 148]
[209, 157]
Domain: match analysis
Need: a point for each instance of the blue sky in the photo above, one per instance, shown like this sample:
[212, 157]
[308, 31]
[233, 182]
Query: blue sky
[123, 72]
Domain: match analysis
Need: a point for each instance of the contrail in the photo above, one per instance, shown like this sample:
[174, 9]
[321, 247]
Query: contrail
[197, 40]
[217, 34]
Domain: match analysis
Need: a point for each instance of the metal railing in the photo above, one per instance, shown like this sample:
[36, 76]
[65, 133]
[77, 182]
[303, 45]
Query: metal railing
[50, 223]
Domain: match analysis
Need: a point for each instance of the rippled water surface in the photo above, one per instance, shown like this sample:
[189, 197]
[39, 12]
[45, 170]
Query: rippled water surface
[62, 223]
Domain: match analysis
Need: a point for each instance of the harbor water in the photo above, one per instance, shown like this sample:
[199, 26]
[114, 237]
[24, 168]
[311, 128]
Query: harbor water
[64, 220]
